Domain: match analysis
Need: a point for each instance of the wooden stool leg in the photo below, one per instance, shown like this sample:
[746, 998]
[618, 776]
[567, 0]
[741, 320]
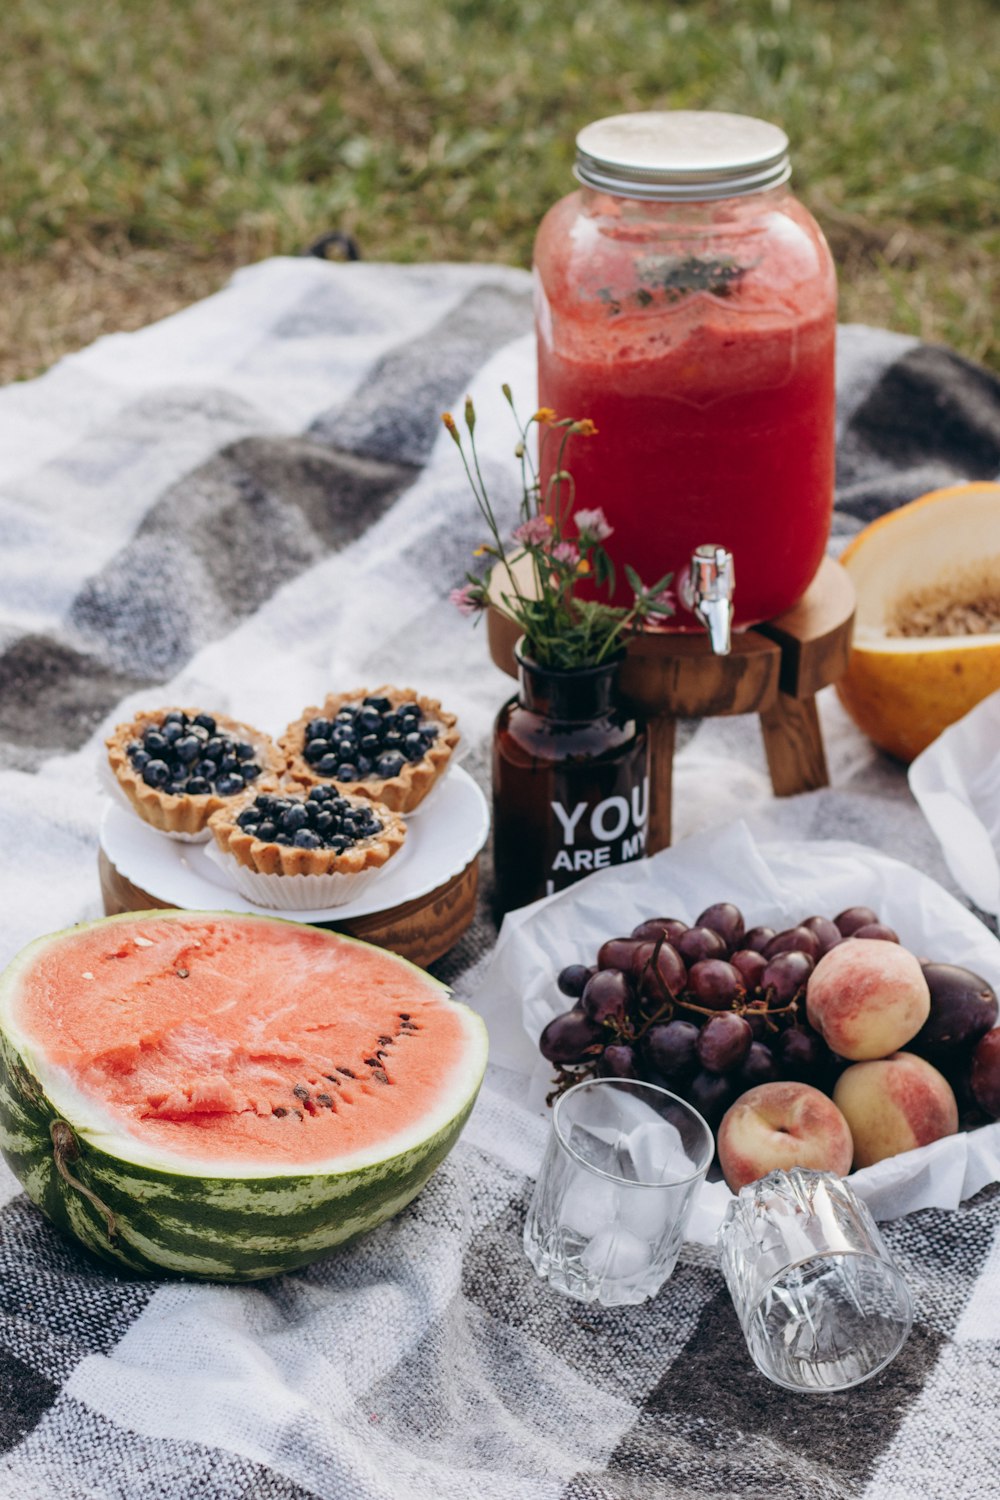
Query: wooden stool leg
[794, 745]
[660, 738]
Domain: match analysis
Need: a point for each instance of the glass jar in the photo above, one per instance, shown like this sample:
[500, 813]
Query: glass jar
[570, 781]
[686, 302]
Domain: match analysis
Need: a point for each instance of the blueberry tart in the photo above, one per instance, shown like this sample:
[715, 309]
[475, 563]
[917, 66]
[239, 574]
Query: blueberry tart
[177, 766]
[390, 745]
[283, 845]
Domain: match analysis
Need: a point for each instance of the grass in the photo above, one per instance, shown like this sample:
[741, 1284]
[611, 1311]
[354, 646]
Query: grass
[149, 150]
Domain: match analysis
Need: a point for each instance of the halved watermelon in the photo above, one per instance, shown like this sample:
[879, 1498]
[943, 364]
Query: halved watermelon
[225, 1096]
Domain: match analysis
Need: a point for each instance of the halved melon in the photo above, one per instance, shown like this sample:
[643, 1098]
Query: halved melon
[226, 1096]
[942, 549]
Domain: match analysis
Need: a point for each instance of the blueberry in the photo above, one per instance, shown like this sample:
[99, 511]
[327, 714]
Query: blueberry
[139, 758]
[172, 732]
[364, 765]
[315, 750]
[207, 768]
[338, 843]
[154, 742]
[409, 710]
[282, 838]
[429, 732]
[175, 716]
[369, 721]
[390, 764]
[228, 786]
[249, 770]
[156, 773]
[413, 746]
[348, 711]
[295, 817]
[199, 731]
[327, 764]
[393, 740]
[266, 831]
[343, 734]
[319, 794]
[324, 822]
[187, 748]
[215, 748]
[206, 722]
[230, 765]
[249, 816]
[347, 772]
[318, 729]
[370, 744]
[306, 839]
[176, 787]
[244, 750]
[381, 705]
[198, 787]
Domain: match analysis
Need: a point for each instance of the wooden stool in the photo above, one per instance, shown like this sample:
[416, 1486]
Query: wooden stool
[774, 670]
[421, 930]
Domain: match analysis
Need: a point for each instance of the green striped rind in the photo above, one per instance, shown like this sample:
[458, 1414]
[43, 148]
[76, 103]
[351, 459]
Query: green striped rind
[231, 1229]
[211, 1228]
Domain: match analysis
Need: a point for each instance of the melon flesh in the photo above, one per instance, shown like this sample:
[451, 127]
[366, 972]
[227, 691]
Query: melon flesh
[231, 1057]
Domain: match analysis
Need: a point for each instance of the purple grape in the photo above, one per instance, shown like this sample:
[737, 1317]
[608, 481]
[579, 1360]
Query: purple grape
[567, 1037]
[794, 940]
[711, 1094]
[606, 996]
[715, 983]
[785, 976]
[640, 958]
[700, 942]
[801, 1054]
[759, 1066]
[854, 917]
[723, 1043]
[750, 966]
[656, 926]
[828, 932]
[756, 1018]
[666, 978]
[672, 1049]
[572, 979]
[725, 919]
[877, 931]
[985, 1078]
[758, 938]
[618, 1061]
[617, 953]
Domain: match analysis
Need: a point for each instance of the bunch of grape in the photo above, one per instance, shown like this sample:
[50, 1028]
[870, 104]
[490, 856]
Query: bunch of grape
[711, 1010]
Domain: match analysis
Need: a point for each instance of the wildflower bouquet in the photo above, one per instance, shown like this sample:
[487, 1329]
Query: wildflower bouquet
[564, 545]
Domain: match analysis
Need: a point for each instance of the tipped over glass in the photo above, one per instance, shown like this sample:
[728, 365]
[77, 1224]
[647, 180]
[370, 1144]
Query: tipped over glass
[623, 1164]
[821, 1302]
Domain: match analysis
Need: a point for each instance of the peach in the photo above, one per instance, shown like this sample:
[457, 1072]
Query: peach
[867, 998]
[782, 1125]
[894, 1104]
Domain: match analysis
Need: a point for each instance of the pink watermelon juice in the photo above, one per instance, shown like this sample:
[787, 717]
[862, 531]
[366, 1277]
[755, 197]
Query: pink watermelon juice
[705, 356]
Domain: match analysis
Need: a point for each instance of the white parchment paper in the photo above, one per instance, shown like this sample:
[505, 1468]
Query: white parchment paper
[775, 883]
[956, 781]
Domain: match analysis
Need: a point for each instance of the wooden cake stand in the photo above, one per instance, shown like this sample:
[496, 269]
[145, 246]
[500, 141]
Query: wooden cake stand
[774, 670]
[421, 930]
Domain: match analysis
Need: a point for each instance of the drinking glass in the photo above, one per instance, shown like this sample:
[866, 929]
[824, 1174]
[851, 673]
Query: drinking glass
[622, 1166]
[821, 1302]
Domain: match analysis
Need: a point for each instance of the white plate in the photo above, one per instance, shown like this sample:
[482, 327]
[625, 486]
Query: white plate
[437, 847]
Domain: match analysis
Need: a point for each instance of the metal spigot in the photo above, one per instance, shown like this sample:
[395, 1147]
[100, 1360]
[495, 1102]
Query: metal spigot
[707, 591]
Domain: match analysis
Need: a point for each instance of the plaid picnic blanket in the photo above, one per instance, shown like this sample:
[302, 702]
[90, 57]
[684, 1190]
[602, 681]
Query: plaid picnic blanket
[244, 506]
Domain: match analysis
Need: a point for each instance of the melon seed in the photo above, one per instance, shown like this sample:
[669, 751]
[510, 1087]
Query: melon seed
[347, 1072]
[379, 1076]
[325, 1100]
[279, 1111]
[181, 973]
[300, 1091]
[385, 1041]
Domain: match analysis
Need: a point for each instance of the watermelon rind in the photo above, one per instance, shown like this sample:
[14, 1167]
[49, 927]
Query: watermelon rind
[155, 1214]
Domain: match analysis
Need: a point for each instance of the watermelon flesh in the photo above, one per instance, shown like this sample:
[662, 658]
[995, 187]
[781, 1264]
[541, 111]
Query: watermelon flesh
[226, 1096]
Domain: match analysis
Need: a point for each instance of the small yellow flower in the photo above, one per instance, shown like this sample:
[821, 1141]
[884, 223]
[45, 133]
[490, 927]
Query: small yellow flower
[449, 422]
[470, 414]
[544, 415]
[480, 551]
[583, 567]
[584, 428]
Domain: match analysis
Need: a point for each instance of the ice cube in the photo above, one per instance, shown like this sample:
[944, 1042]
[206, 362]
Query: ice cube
[588, 1205]
[657, 1152]
[616, 1254]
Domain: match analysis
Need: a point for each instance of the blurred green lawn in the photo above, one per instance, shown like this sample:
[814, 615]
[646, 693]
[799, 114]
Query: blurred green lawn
[149, 149]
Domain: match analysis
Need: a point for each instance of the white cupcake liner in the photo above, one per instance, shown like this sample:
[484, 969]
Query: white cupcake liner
[291, 892]
[109, 783]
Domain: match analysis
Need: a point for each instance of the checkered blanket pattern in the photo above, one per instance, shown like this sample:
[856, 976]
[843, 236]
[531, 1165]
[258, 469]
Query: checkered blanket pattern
[244, 506]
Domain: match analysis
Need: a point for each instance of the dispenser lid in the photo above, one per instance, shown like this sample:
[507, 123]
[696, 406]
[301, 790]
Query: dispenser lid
[682, 154]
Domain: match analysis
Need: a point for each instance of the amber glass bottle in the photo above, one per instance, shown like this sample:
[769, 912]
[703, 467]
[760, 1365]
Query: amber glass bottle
[570, 781]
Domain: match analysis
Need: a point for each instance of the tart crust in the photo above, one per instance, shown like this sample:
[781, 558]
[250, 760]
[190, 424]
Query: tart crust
[402, 793]
[180, 812]
[282, 859]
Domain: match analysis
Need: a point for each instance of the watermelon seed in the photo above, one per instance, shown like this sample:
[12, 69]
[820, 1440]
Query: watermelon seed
[297, 1113]
[347, 1072]
[404, 1015]
[379, 1076]
[300, 1091]
[385, 1041]
[332, 1078]
[182, 973]
[325, 1100]
[279, 1111]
